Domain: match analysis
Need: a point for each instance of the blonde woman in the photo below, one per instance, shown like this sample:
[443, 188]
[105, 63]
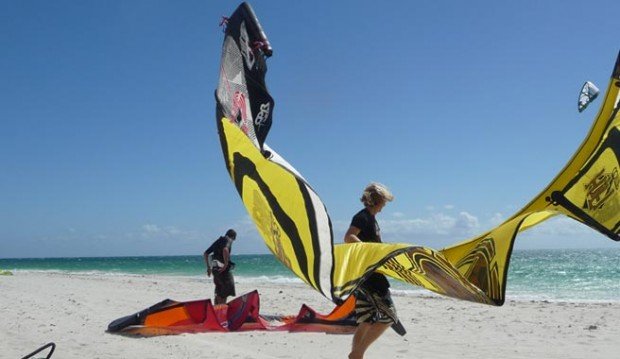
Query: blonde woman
[374, 307]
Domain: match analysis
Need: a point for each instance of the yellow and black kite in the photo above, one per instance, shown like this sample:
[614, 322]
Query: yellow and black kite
[296, 227]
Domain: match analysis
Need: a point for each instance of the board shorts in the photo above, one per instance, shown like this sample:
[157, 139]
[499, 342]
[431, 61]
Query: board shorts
[224, 284]
[371, 307]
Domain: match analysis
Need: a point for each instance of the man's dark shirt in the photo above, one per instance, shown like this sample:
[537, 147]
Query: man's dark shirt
[217, 248]
[370, 232]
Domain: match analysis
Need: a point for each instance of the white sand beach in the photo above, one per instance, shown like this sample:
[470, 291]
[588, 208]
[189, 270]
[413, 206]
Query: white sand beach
[74, 310]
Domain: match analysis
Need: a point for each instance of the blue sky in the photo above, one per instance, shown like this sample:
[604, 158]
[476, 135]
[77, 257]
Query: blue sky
[466, 110]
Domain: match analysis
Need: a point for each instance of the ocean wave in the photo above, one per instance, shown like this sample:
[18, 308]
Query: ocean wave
[93, 273]
[538, 297]
[278, 279]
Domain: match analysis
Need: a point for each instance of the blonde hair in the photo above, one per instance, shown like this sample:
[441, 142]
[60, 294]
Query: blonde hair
[375, 193]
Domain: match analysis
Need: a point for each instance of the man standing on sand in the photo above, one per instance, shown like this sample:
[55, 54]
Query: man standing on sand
[221, 266]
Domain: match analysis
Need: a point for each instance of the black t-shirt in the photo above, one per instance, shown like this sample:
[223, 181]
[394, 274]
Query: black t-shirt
[217, 248]
[370, 232]
[368, 226]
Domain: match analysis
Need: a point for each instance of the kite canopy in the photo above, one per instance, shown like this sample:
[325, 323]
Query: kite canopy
[588, 93]
[240, 314]
[241, 93]
[296, 227]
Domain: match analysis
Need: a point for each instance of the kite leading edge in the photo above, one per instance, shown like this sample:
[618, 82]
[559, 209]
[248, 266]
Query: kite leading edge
[295, 225]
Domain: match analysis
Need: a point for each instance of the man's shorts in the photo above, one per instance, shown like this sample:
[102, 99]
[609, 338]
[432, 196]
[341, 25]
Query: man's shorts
[224, 284]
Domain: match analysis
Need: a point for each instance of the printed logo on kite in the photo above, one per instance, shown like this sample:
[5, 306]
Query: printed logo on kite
[263, 114]
[277, 249]
[246, 50]
[601, 188]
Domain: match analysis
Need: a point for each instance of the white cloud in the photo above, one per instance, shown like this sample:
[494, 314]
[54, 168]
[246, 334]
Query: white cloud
[151, 228]
[466, 222]
[560, 226]
[496, 219]
[437, 224]
[154, 231]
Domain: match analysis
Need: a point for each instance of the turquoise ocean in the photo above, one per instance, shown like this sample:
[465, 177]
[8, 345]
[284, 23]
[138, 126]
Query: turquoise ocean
[555, 275]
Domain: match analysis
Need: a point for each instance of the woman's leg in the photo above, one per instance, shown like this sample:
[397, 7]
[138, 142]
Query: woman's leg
[365, 335]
